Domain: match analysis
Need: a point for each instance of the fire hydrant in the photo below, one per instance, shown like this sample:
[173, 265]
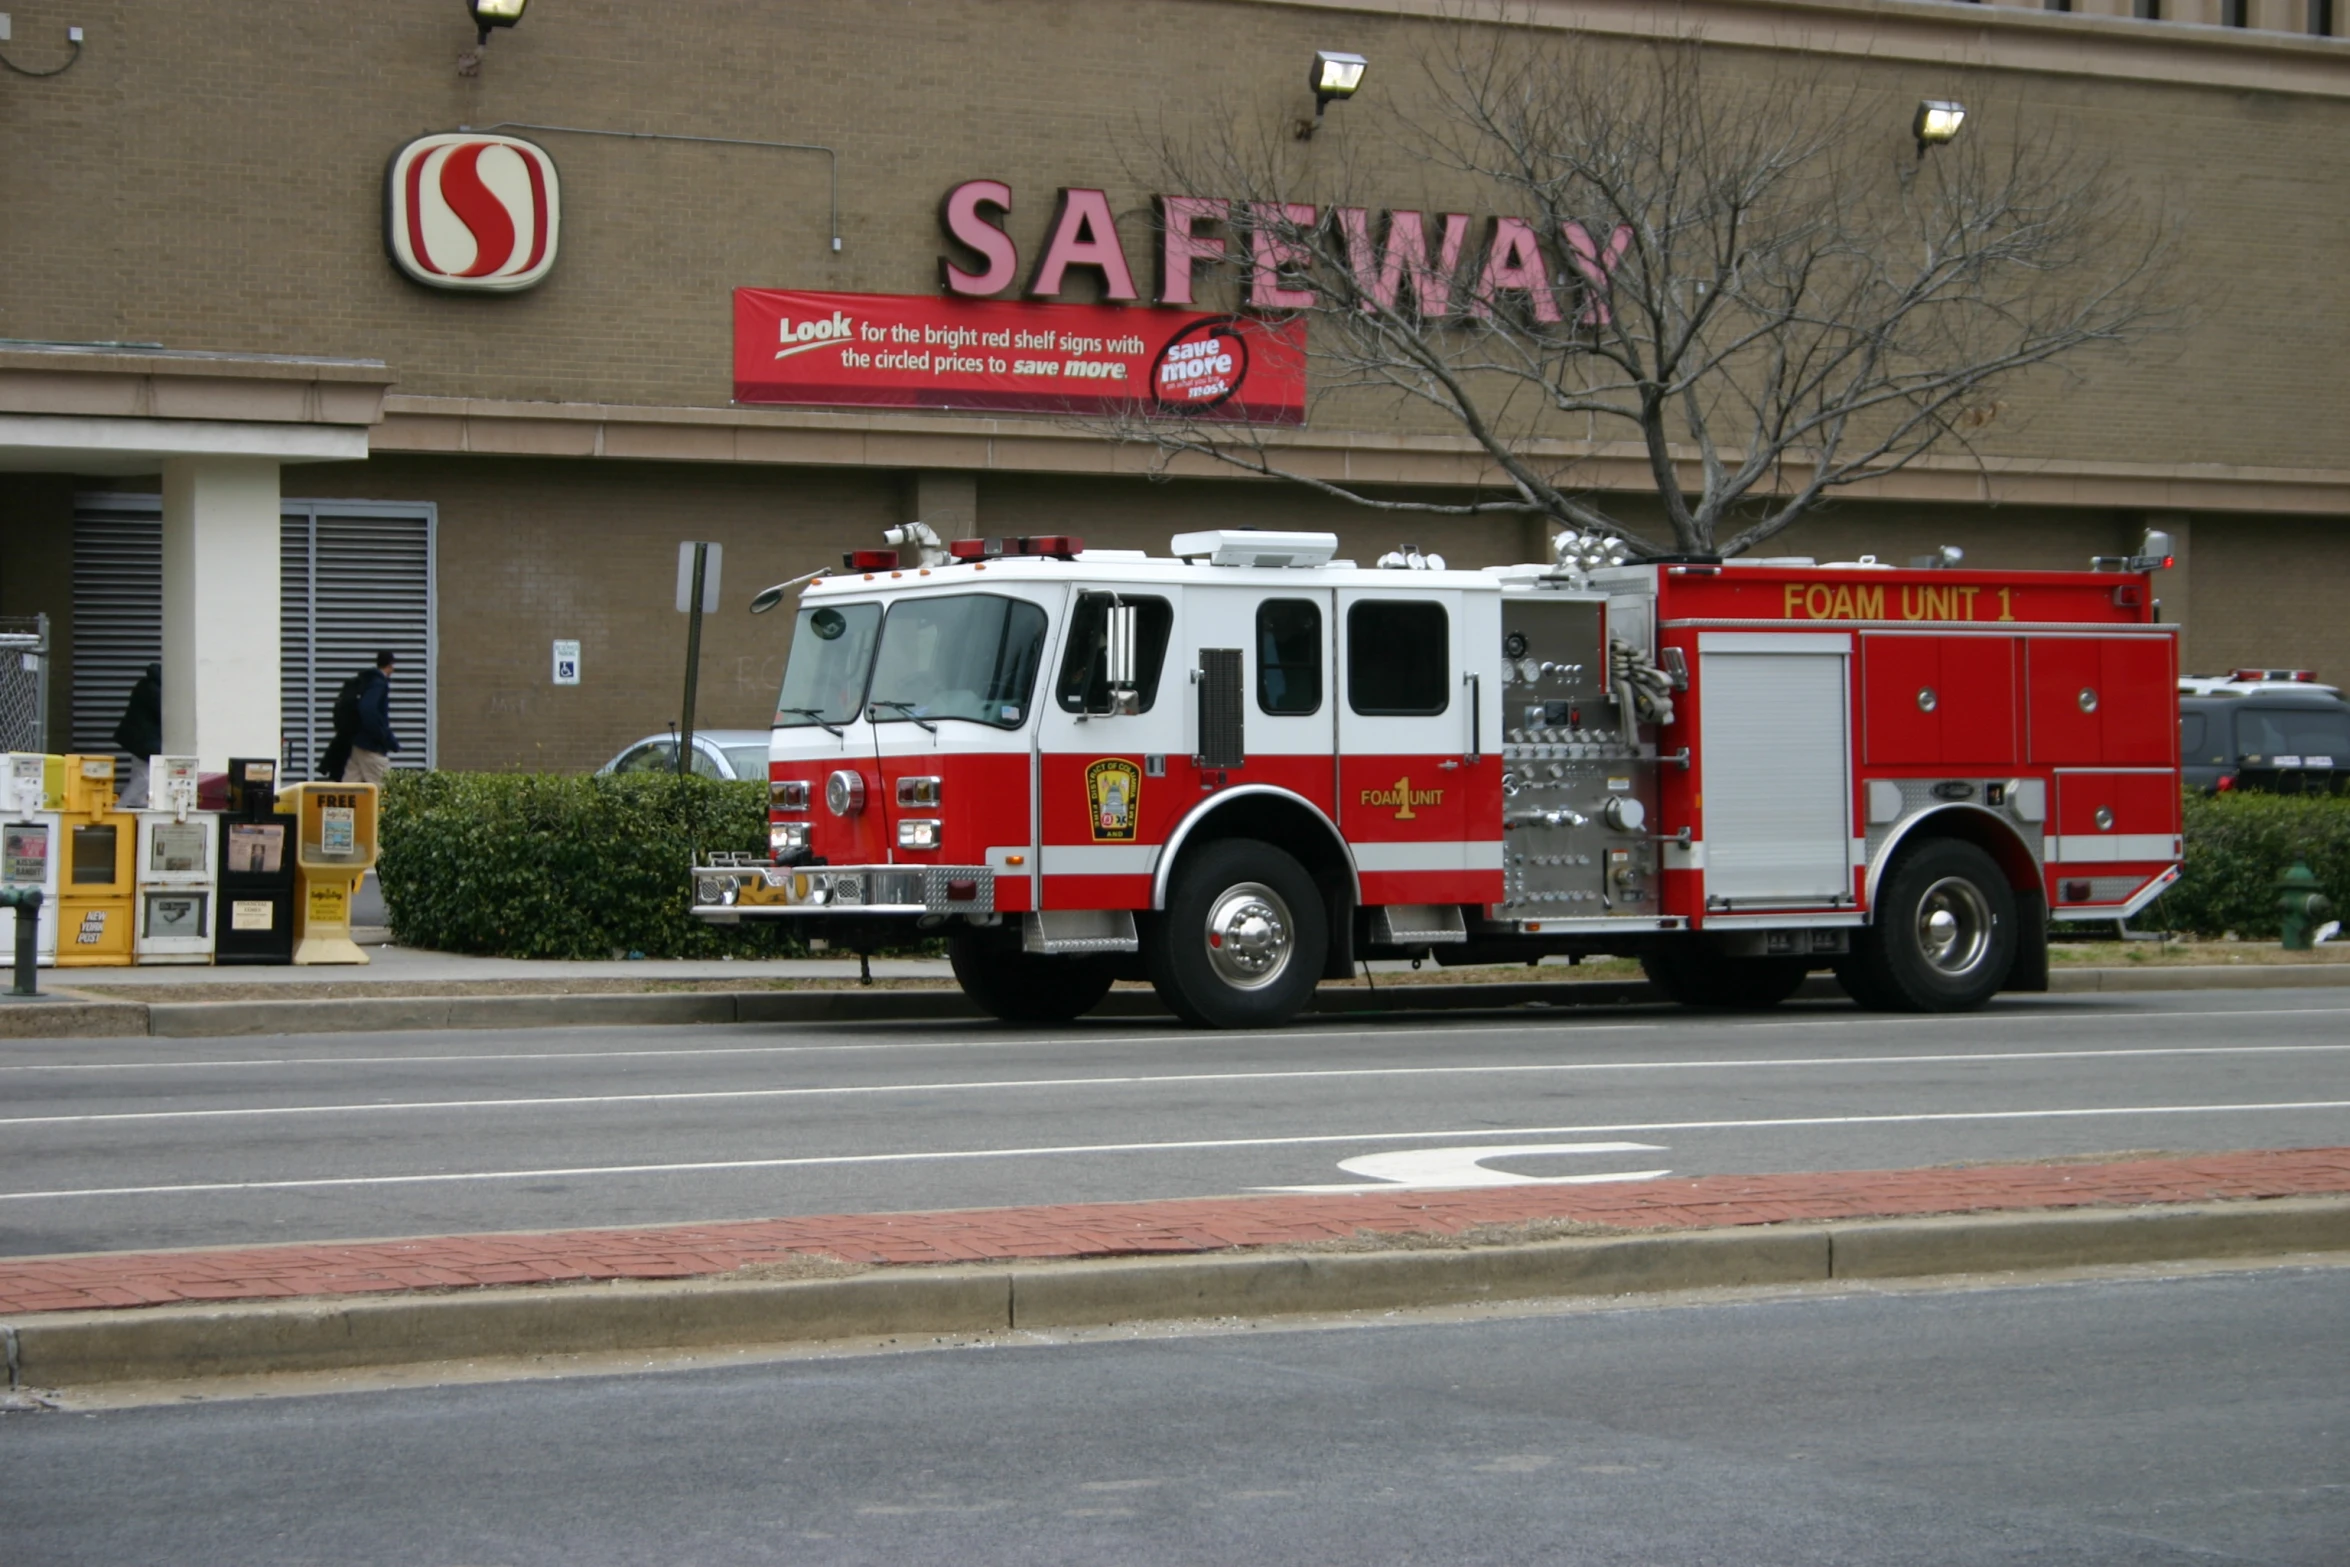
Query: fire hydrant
[2302, 903]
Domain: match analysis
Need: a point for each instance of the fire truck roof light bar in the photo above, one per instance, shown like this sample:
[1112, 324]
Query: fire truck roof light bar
[1052, 546]
[1256, 547]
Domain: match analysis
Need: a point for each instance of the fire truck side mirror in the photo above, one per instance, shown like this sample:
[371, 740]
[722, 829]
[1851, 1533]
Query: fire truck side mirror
[1119, 630]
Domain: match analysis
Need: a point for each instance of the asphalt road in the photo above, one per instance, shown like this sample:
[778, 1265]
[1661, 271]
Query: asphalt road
[111, 1144]
[2148, 1423]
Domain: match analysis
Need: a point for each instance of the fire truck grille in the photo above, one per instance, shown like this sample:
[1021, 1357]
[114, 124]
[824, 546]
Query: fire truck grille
[1221, 739]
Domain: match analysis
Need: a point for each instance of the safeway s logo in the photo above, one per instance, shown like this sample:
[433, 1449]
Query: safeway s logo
[472, 211]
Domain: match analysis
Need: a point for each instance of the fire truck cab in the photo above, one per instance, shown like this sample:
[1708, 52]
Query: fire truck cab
[1239, 770]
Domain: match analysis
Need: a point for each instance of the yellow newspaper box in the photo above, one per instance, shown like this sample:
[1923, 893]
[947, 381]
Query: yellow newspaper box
[98, 847]
[334, 845]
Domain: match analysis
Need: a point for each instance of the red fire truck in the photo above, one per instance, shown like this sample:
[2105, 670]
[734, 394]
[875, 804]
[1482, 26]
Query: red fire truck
[1240, 770]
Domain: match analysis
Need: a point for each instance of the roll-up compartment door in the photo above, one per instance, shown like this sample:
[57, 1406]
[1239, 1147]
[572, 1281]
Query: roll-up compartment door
[1777, 789]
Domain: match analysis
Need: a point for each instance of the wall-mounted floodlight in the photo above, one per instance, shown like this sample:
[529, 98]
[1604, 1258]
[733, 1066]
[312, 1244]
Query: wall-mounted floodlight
[1938, 121]
[494, 13]
[1335, 75]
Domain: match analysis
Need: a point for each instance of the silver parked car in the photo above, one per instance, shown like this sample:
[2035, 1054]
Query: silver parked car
[718, 753]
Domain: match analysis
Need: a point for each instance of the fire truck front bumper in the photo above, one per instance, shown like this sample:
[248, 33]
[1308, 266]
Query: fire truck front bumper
[726, 893]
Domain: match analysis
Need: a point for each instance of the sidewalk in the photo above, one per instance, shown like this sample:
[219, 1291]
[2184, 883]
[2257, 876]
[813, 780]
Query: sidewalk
[1191, 1226]
[408, 965]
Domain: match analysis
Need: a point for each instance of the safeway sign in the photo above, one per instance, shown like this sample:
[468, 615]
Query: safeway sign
[472, 211]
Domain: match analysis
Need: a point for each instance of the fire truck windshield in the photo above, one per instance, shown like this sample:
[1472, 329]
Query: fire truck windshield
[831, 653]
[971, 656]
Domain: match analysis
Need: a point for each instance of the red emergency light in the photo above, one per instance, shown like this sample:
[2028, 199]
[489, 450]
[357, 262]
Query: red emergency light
[2305, 676]
[869, 560]
[1058, 546]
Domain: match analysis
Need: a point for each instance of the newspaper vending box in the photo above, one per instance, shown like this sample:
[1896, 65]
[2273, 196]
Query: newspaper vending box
[177, 864]
[334, 846]
[31, 791]
[94, 918]
[255, 921]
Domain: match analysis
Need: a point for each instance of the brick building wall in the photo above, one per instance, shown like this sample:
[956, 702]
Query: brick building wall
[211, 178]
[213, 181]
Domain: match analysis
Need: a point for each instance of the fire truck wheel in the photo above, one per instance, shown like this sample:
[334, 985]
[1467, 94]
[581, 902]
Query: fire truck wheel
[1944, 935]
[1691, 976]
[1242, 941]
[1024, 987]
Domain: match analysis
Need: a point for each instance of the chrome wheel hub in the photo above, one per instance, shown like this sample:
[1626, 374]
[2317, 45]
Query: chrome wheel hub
[1249, 937]
[1954, 927]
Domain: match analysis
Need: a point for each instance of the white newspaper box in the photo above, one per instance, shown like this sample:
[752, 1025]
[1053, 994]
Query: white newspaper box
[29, 844]
[178, 883]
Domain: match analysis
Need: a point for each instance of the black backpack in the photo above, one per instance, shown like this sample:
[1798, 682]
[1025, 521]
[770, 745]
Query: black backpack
[347, 706]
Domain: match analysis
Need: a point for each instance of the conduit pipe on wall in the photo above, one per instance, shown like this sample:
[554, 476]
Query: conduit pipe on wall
[715, 141]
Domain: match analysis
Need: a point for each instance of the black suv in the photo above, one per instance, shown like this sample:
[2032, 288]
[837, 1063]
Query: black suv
[2278, 741]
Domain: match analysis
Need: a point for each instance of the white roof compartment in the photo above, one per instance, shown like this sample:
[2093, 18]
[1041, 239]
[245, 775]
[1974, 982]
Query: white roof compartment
[1256, 547]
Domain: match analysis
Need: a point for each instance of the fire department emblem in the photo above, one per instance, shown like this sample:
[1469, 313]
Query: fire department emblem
[1113, 796]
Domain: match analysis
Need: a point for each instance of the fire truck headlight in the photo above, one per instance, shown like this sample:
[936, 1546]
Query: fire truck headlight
[787, 837]
[844, 792]
[917, 835]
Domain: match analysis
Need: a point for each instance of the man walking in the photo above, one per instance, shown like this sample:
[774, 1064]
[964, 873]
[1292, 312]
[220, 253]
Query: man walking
[141, 734]
[372, 740]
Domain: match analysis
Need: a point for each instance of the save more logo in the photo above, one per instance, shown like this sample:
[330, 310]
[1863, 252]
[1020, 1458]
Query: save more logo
[1400, 797]
[472, 211]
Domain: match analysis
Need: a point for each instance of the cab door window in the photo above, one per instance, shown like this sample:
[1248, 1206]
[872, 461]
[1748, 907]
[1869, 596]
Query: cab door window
[1085, 668]
[1398, 653]
[1289, 656]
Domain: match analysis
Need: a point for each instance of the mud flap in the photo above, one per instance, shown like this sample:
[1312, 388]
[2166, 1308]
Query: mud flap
[1339, 962]
[2029, 972]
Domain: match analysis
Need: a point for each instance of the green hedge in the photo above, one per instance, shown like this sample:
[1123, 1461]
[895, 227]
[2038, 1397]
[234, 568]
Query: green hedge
[531, 866]
[2237, 847]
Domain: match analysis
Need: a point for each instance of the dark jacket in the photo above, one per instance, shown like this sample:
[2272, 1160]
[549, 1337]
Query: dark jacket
[141, 731]
[374, 732]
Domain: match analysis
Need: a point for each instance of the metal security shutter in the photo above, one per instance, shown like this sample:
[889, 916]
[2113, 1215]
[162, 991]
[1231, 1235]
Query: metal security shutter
[117, 611]
[1777, 818]
[365, 585]
[355, 577]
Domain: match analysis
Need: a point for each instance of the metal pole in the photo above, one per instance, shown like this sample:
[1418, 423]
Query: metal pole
[693, 660]
[27, 902]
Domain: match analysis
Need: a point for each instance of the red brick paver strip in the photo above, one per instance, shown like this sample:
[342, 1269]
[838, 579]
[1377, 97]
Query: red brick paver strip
[127, 1279]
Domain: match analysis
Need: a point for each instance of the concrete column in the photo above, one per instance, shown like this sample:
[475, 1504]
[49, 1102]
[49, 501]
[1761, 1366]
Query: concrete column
[948, 501]
[2173, 587]
[220, 608]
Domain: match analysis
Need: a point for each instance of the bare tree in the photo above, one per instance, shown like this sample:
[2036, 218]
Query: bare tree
[1745, 275]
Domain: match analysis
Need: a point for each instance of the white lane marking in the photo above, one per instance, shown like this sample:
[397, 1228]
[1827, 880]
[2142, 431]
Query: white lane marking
[1306, 1029]
[1141, 1080]
[938, 1156]
[1460, 1169]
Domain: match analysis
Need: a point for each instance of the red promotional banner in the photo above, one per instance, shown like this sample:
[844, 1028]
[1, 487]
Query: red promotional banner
[916, 351]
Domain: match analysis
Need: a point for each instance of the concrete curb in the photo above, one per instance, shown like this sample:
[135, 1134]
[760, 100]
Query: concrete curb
[73, 1018]
[171, 1343]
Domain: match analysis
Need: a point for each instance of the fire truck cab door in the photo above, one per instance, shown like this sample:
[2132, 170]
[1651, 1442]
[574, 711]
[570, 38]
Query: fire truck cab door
[1411, 800]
